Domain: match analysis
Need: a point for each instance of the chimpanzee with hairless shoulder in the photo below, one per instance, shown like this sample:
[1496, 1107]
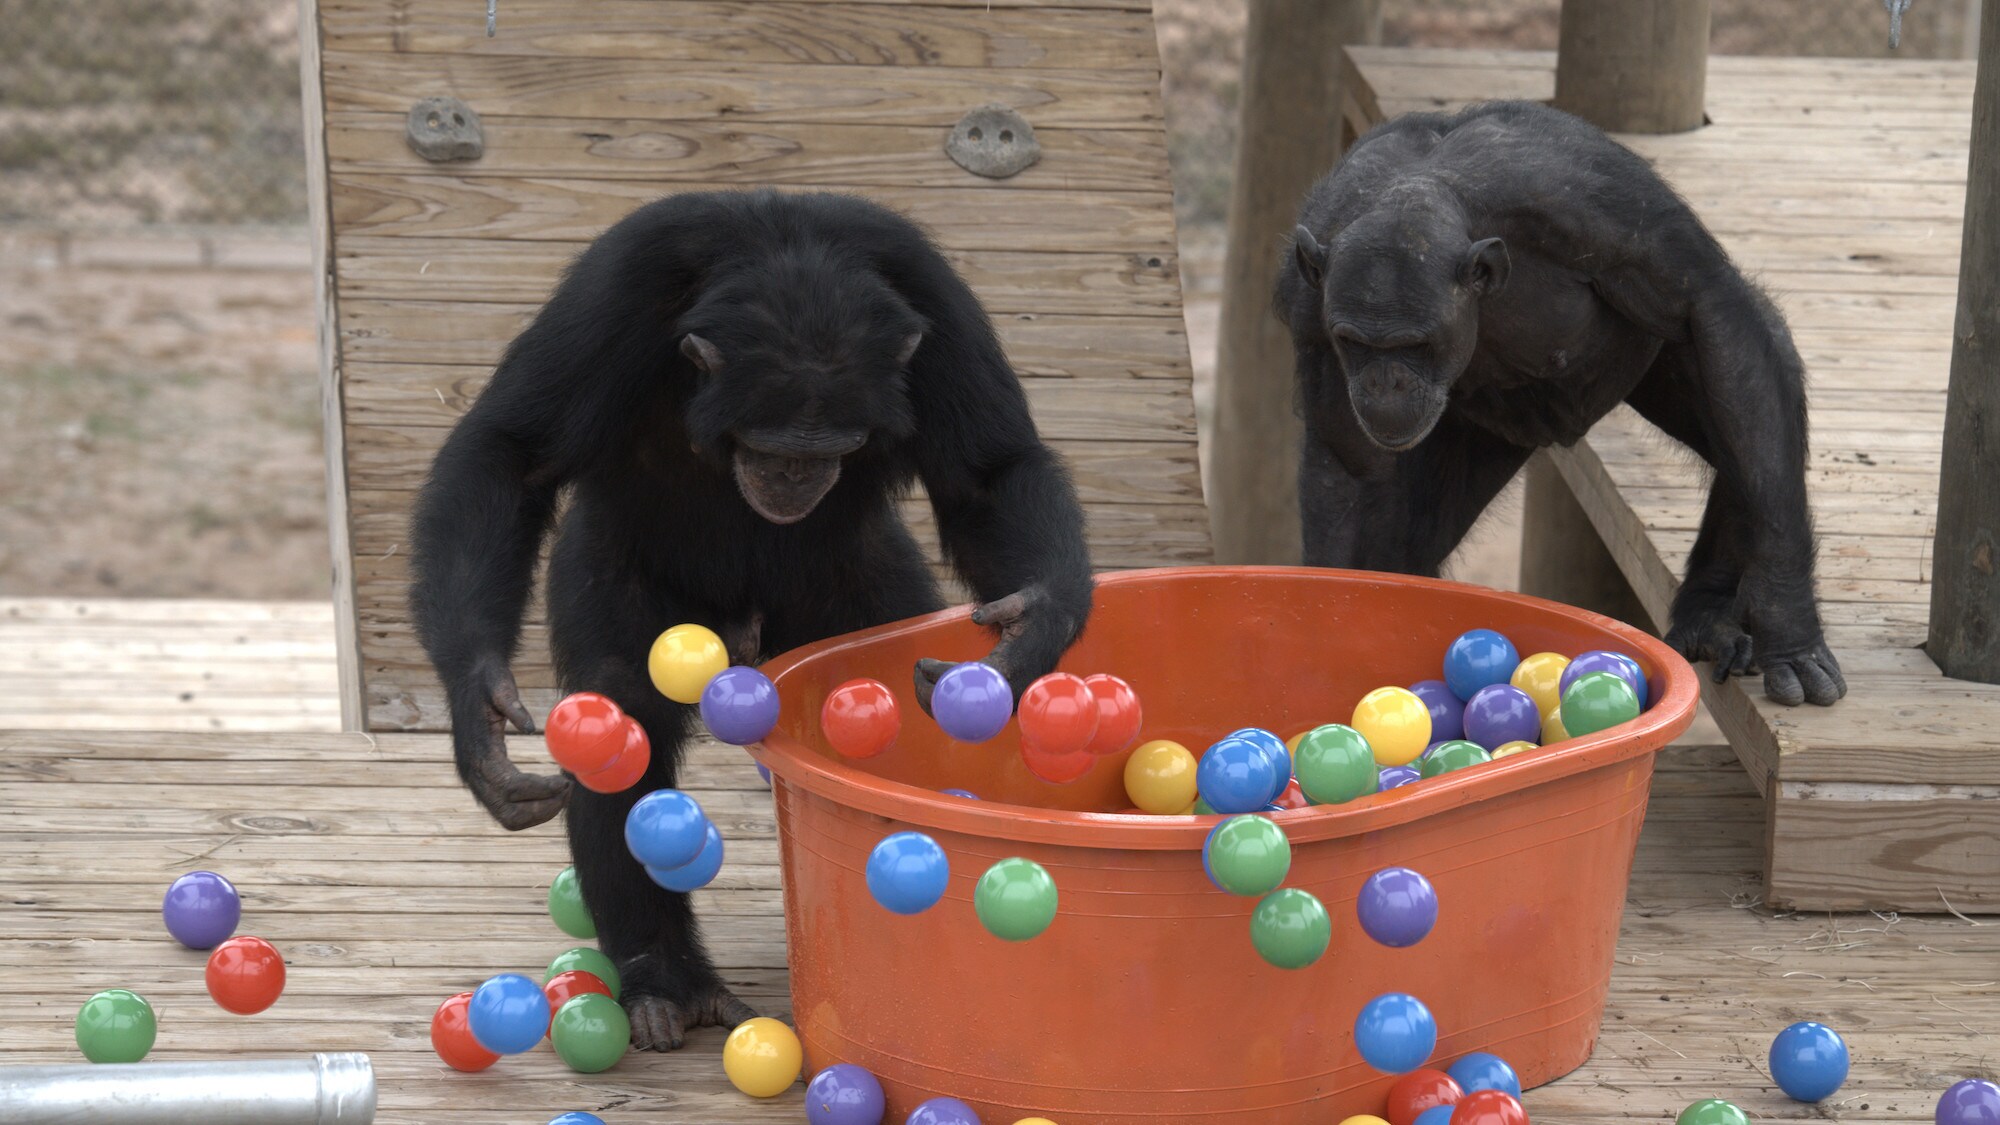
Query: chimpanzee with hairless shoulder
[1463, 289]
[735, 388]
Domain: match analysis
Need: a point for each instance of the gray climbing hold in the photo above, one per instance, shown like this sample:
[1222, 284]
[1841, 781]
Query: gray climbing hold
[445, 129]
[1896, 10]
[993, 141]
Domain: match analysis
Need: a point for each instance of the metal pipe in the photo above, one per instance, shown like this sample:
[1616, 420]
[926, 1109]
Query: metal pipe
[337, 1089]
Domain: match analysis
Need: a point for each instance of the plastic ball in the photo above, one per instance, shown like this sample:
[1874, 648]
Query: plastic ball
[1447, 710]
[844, 1094]
[585, 731]
[1247, 855]
[1712, 1111]
[1034, 1121]
[1293, 798]
[964, 793]
[972, 701]
[1275, 749]
[1395, 1032]
[576, 1117]
[1364, 1119]
[1598, 701]
[1396, 723]
[590, 961]
[1436, 1115]
[1058, 767]
[1481, 1071]
[739, 705]
[627, 768]
[1476, 659]
[1552, 727]
[1119, 714]
[683, 659]
[564, 987]
[1160, 777]
[1336, 765]
[116, 1026]
[942, 1111]
[1420, 1090]
[508, 1014]
[762, 1057]
[1203, 808]
[696, 873]
[591, 1033]
[1237, 775]
[1015, 899]
[1604, 660]
[1509, 749]
[1058, 715]
[666, 828]
[1454, 756]
[451, 1037]
[567, 907]
[1395, 777]
[1809, 1061]
[1397, 907]
[1489, 1107]
[245, 975]
[763, 772]
[1540, 676]
[860, 718]
[1501, 713]
[1973, 1101]
[201, 909]
[1290, 928]
[908, 873]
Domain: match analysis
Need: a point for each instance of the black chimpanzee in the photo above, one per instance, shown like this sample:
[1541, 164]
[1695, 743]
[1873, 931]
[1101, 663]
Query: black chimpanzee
[735, 388]
[1466, 288]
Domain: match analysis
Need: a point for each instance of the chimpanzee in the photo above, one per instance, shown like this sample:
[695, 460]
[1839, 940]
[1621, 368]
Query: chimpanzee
[735, 388]
[1464, 288]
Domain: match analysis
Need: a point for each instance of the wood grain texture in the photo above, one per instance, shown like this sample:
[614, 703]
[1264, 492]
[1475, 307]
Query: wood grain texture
[1634, 66]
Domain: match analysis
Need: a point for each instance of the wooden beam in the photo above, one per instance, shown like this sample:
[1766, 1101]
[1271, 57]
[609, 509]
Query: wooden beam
[1633, 66]
[1563, 556]
[1293, 85]
[1965, 589]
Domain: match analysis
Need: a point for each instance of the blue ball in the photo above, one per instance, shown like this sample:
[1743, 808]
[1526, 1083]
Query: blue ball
[1274, 746]
[1481, 1071]
[1395, 1033]
[1237, 775]
[577, 1118]
[695, 873]
[666, 829]
[508, 1014]
[908, 872]
[1477, 659]
[1436, 1115]
[1809, 1061]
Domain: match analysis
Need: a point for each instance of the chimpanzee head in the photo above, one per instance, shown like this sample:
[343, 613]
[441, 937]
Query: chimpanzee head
[799, 362]
[1399, 292]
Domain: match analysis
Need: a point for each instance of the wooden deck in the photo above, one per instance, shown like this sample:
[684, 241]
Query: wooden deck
[1841, 184]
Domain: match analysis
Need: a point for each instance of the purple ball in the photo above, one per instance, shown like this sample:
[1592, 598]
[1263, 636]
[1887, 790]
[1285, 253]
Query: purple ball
[943, 1111]
[201, 909]
[1447, 713]
[844, 1094]
[1974, 1101]
[1395, 777]
[1397, 907]
[739, 705]
[1501, 713]
[763, 773]
[1601, 660]
[972, 701]
[965, 793]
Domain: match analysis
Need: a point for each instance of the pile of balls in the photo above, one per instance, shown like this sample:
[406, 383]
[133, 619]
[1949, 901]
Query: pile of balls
[244, 975]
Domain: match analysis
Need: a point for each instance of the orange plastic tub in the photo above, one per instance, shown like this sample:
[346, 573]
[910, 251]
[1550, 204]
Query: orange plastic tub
[1144, 1001]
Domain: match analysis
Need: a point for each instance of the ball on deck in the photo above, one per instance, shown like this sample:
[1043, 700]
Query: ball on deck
[1247, 855]
[567, 907]
[1238, 775]
[1481, 1071]
[451, 1037]
[509, 1014]
[844, 1094]
[1396, 723]
[1712, 1111]
[1453, 756]
[942, 1111]
[1119, 714]
[1335, 765]
[1501, 713]
[1478, 658]
[201, 909]
[739, 705]
[1973, 1101]
[1488, 1107]
[116, 1026]
[1395, 1032]
[1420, 1090]
[590, 961]
[666, 828]
[627, 767]
[1160, 777]
[1397, 907]
[762, 1057]
[1540, 675]
[1809, 1061]
[972, 701]
[1604, 660]
[860, 718]
[1447, 710]
[696, 873]
[576, 1117]
[1290, 928]
[1015, 899]
[1598, 701]
[591, 1032]
[564, 987]
[245, 975]
[683, 659]
[908, 873]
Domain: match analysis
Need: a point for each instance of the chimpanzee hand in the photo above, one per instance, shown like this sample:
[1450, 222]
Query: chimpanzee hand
[1812, 676]
[517, 800]
[1034, 631]
[1806, 672]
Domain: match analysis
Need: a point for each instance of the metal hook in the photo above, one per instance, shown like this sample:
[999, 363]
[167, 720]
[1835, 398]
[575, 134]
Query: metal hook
[1896, 10]
[493, 15]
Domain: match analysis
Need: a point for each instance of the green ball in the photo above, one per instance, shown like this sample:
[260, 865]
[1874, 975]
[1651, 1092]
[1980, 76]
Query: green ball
[1598, 702]
[1290, 928]
[1202, 807]
[591, 1032]
[1709, 1111]
[116, 1026]
[1015, 899]
[1336, 765]
[1249, 855]
[590, 961]
[1454, 755]
[567, 908]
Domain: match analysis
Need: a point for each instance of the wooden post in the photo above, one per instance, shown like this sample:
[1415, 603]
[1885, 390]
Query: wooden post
[1290, 136]
[1633, 66]
[1965, 588]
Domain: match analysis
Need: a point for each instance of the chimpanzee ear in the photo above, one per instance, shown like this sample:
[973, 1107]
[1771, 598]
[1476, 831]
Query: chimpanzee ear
[909, 349]
[1310, 256]
[701, 353]
[1486, 266]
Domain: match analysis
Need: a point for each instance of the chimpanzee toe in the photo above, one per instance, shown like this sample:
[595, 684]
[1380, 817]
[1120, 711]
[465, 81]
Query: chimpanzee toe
[658, 1024]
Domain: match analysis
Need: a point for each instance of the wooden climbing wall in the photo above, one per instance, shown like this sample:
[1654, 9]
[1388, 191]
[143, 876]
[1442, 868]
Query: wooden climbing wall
[593, 107]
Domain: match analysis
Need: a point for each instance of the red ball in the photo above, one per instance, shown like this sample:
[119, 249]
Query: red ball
[245, 975]
[1418, 1091]
[1056, 767]
[626, 767]
[860, 718]
[1118, 714]
[451, 1037]
[585, 731]
[1293, 797]
[1489, 1107]
[1058, 715]
[566, 986]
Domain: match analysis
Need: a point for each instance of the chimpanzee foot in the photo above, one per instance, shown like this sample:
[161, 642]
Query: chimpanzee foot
[1812, 676]
[662, 1024]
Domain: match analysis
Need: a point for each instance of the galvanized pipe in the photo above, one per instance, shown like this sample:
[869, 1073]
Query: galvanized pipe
[334, 1089]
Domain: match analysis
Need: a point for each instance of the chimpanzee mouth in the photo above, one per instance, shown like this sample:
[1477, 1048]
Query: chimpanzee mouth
[1401, 432]
[783, 489]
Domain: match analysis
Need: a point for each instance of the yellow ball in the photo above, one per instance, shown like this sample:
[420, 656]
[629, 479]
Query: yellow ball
[1396, 724]
[684, 659]
[1159, 777]
[1364, 1119]
[1540, 676]
[1507, 748]
[1292, 743]
[762, 1057]
[1552, 727]
[1046, 1121]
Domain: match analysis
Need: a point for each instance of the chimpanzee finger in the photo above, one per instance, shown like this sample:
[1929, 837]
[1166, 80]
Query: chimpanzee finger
[1781, 683]
[535, 786]
[1004, 612]
[925, 677]
[517, 815]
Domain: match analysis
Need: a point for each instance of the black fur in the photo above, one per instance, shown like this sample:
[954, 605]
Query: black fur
[811, 304]
[1465, 288]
